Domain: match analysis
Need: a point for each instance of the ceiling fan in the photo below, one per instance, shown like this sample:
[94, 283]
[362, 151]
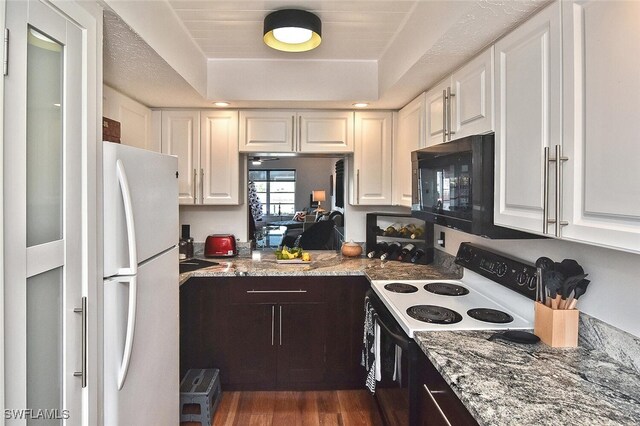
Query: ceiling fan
[256, 161]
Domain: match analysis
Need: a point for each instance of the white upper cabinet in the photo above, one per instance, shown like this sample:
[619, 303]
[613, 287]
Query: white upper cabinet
[471, 97]
[291, 131]
[528, 121]
[436, 110]
[410, 136]
[181, 137]
[372, 158]
[267, 131]
[206, 144]
[219, 158]
[601, 190]
[325, 132]
[134, 118]
[462, 104]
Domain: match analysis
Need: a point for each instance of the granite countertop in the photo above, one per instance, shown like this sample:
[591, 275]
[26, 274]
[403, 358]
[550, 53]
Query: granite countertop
[324, 263]
[504, 383]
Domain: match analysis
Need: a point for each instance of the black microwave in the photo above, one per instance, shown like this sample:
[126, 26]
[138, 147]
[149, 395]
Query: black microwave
[453, 186]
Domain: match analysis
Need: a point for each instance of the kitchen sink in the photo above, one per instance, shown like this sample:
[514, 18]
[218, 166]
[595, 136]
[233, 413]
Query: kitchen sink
[194, 264]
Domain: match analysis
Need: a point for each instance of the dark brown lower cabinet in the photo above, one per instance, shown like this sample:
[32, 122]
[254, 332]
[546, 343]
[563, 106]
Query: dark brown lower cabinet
[438, 404]
[292, 333]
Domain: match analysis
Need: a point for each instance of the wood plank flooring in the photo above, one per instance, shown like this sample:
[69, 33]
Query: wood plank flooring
[331, 408]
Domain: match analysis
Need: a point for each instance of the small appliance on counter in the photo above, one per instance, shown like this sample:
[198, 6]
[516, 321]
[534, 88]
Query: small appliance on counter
[220, 245]
[186, 243]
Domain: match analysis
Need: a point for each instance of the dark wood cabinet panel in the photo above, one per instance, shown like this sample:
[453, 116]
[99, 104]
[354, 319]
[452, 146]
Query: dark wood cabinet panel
[229, 323]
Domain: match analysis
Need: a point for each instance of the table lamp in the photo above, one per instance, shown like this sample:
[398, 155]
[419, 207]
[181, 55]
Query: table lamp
[319, 196]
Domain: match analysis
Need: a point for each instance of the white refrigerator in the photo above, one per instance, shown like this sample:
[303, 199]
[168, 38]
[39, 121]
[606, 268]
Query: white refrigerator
[140, 311]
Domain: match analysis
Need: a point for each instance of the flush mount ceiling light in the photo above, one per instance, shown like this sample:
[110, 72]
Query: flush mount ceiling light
[361, 105]
[221, 104]
[292, 30]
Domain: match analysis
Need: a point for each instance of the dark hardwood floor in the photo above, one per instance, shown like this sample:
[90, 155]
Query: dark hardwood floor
[342, 407]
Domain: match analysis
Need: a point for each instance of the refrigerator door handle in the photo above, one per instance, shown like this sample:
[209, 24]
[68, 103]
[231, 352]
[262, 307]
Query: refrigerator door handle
[131, 326]
[128, 214]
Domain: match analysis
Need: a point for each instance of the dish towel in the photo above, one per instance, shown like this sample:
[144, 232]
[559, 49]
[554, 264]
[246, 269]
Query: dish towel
[397, 369]
[369, 346]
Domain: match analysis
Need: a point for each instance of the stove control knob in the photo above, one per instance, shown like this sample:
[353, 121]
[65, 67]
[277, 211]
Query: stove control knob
[501, 269]
[521, 278]
[531, 283]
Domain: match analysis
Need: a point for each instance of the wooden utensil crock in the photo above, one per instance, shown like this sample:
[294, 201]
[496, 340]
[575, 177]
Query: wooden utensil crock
[557, 328]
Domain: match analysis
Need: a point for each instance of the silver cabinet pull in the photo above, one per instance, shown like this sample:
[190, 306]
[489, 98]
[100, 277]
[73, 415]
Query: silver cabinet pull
[293, 133]
[449, 114]
[358, 186]
[299, 133]
[559, 160]
[195, 178]
[430, 393]
[545, 188]
[275, 291]
[273, 323]
[280, 332]
[201, 186]
[83, 369]
[444, 115]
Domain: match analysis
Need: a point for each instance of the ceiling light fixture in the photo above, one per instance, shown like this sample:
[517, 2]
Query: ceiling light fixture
[361, 105]
[292, 30]
[221, 104]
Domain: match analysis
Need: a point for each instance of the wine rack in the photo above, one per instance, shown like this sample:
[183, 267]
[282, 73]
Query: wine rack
[378, 223]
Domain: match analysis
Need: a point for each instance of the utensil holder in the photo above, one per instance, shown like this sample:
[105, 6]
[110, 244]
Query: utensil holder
[557, 328]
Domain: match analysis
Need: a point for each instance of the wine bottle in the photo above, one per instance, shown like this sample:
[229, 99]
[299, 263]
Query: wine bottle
[417, 255]
[392, 251]
[379, 249]
[417, 233]
[406, 252]
[391, 231]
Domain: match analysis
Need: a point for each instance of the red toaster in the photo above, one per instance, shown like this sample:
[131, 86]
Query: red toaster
[220, 245]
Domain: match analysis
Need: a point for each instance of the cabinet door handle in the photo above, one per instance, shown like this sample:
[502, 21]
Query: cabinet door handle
[280, 332]
[201, 186]
[559, 160]
[449, 114]
[275, 291]
[299, 133]
[430, 393]
[545, 196]
[273, 323]
[83, 370]
[358, 186]
[444, 115]
[195, 178]
[293, 133]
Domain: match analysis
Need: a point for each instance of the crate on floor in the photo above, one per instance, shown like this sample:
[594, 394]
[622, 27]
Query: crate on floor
[201, 387]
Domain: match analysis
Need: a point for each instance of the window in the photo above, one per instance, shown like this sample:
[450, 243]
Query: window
[276, 190]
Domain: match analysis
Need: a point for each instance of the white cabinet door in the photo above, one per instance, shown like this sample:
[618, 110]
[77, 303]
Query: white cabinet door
[472, 103]
[267, 131]
[219, 158]
[411, 136]
[325, 132]
[372, 158]
[601, 125]
[135, 119]
[436, 115]
[181, 137]
[528, 104]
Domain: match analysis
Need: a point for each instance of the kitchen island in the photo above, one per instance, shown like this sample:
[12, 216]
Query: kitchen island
[504, 383]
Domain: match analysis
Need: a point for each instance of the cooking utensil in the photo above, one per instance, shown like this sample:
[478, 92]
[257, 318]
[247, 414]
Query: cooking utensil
[543, 264]
[568, 287]
[569, 268]
[580, 289]
[516, 336]
[553, 282]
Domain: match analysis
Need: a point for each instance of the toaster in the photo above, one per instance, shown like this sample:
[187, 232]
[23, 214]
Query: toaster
[220, 245]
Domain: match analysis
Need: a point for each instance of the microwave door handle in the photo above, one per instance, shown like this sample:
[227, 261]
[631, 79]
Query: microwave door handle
[399, 340]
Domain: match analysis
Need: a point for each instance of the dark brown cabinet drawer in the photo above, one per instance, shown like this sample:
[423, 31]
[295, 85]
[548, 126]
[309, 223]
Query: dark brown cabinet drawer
[276, 290]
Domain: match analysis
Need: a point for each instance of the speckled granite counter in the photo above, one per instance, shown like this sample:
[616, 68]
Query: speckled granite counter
[511, 384]
[328, 263]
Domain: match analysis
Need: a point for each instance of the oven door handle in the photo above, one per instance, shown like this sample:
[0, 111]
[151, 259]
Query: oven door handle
[398, 339]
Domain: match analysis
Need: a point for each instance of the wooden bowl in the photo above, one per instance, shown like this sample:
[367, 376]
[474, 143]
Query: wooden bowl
[351, 249]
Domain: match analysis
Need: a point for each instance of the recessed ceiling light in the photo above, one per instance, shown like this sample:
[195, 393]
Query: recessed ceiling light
[221, 104]
[292, 30]
[361, 105]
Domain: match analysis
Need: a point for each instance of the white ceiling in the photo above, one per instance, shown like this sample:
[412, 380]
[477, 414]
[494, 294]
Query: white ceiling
[382, 51]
